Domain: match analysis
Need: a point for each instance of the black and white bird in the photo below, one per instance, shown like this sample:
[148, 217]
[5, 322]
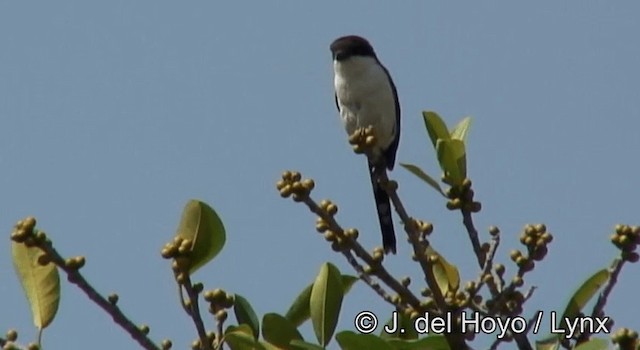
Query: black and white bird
[366, 96]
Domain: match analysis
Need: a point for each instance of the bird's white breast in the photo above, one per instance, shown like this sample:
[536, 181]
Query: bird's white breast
[365, 97]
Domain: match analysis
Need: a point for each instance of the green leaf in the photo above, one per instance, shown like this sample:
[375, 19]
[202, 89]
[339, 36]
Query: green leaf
[403, 323]
[594, 344]
[582, 296]
[241, 338]
[415, 170]
[461, 130]
[245, 314]
[433, 342]
[303, 345]
[299, 312]
[447, 275]
[453, 160]
[203, 227]
[268, 346]
[436, 128]
[278, 331]
[41, 284]
[349, 340]
[549, 343]
[347, 283]
[325, 302]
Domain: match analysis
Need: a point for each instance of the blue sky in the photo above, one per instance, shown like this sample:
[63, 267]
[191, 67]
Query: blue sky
[113, 115]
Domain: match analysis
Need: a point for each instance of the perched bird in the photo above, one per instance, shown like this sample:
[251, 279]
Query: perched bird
[366, 96]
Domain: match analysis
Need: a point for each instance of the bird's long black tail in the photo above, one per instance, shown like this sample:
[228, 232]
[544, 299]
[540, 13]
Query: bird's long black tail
[383, 205]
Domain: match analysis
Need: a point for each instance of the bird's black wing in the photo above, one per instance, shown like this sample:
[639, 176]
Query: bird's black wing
[390, 152]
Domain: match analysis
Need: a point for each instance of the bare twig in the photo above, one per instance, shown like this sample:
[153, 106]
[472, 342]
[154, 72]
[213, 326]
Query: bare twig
[615, 269]
[467, 220]
[219, 335]
[488, 264]
[367, 279]
[75, 277]
[455, 340]
[499, 294]
[419, 246]
[520, 340]
[378, 270]
[194, 313]
[529, 293]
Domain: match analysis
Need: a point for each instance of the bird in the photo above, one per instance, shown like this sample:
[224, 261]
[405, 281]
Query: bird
[366, 97]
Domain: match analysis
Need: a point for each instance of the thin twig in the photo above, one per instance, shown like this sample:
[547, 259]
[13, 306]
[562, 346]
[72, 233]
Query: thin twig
[419, 247]
[488, 264]
[75, 277]
[467, 220]
[615, 269]
[455, 340]
[194, 313]
[529, 293]
[378, 269]
[219, 335]
[367, 279]
[526, 345]
[499, 295]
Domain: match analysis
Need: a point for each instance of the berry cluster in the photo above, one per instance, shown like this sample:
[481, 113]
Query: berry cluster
[461, 197]
[292, 184]
[626, 238]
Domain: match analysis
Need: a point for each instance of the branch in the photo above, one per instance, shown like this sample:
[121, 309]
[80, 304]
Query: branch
[75, 277]
[378, 270]
[419, 246]
[455, 340]
[615, 269]
[488, 264]
[467, 220]
[194, 313]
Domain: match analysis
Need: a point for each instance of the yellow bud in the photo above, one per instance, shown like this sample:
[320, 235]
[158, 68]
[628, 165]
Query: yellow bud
[529, 230]
[285, 191]
[370, 141]
[296, 186]
[308, 184]
[352, 233]
[221, 315]
[44, 259]
[330, 236]
[405, 281]
[517, 281]
[332, 209]
[166, 344]
[540, 228]
[321, 225]
[113, 298]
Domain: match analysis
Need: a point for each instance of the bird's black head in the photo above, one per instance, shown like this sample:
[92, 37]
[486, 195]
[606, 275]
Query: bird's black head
[349, 46]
